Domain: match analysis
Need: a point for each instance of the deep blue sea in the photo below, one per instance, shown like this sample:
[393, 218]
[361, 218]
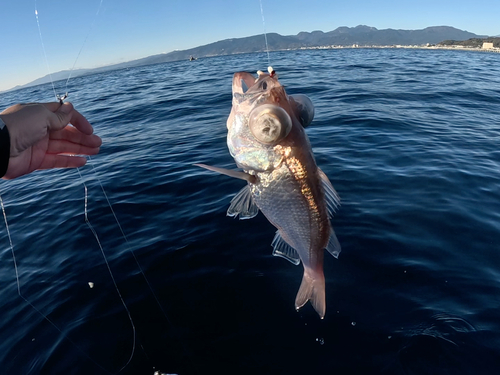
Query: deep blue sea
[410, 140]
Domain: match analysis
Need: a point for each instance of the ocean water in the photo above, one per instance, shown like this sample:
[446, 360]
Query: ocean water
[410, 140]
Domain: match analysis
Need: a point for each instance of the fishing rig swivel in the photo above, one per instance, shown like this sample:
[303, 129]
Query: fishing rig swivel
[61, 98]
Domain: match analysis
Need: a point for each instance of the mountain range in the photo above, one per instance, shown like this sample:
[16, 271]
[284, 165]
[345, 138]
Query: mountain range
[343, 36]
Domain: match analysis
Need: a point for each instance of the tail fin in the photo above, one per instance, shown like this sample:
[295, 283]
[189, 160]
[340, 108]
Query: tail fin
[312, 289]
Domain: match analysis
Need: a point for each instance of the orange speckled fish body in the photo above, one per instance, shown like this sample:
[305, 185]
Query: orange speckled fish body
[266, 138]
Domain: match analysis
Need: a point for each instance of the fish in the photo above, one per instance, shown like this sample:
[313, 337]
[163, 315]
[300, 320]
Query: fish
[267, 140]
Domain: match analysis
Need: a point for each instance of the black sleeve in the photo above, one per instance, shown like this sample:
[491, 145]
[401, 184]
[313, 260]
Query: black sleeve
[4, 148]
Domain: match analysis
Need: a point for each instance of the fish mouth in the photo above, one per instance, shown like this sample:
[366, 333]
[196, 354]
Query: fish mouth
[257, 91]
[242, 81]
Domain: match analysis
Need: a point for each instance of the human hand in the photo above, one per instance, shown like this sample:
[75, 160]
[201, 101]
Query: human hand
[41, 139]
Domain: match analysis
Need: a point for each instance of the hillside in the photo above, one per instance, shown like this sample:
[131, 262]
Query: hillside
[342, 36]
[472, 43]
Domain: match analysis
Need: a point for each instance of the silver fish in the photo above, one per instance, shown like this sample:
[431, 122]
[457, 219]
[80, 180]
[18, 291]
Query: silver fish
[266, 138]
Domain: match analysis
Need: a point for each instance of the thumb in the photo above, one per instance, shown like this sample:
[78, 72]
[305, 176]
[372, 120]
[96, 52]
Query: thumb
[61, 117]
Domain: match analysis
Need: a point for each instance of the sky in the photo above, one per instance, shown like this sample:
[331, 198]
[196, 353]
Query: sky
[94, 33]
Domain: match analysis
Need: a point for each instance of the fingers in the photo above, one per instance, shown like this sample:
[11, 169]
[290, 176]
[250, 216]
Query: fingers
[64, 147]
[62, 161]
[73, 135]
[79, 121]
[65, 114]
[70, 141]
[53, 106]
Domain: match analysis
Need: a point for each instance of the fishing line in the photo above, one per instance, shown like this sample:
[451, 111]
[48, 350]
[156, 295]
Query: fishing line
[61, 99]
[87, 221]
[83, 45]
[28, 302]
[44, 53]
[129, 248]
[127, 242]
[109, 269]
[265, 33]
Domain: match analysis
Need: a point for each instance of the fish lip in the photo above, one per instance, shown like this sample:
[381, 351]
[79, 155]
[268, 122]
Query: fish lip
[240, 78]
[252, 98]
[261, 84]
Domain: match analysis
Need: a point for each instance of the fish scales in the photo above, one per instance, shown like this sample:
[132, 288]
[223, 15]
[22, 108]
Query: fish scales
[266, 138]
[289, 201]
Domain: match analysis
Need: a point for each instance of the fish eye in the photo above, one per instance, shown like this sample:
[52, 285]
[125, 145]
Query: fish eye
[269, 123]
[264, 85]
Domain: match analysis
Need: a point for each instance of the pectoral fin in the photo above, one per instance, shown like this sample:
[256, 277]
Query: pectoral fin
[229, 172]
[284, 250]
[243, 205]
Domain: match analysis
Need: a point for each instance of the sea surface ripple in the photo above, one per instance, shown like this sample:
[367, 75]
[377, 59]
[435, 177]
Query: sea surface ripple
[409, 138]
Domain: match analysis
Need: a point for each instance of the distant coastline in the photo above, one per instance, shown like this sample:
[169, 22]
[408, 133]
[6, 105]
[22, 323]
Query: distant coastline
[432, 47]
[434, 37]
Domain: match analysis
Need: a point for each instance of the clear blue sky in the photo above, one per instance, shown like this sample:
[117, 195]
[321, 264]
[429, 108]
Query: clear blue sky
[130, 29]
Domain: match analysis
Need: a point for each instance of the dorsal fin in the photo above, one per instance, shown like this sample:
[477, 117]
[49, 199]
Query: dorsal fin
[332, 203]
[331, 196]
[284, 250]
